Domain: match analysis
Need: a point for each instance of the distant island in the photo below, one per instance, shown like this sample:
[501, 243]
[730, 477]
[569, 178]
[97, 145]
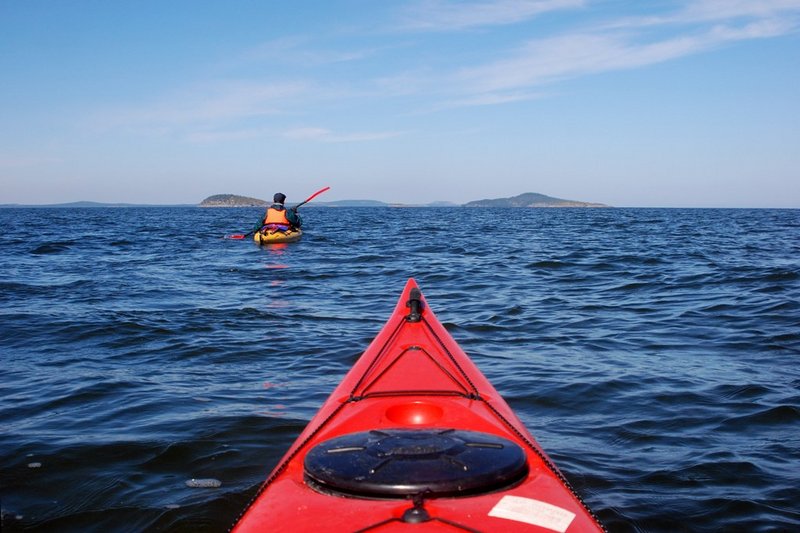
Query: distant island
[528, 199]
[531, 199]
[232, 200]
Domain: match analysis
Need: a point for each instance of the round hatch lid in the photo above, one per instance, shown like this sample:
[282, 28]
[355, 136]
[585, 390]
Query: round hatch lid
[397, 463]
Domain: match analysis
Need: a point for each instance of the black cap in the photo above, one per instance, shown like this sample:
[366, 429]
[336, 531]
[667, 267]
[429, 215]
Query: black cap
[279, 198]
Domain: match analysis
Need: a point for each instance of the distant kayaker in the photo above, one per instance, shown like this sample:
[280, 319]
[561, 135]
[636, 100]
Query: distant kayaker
[278, 218]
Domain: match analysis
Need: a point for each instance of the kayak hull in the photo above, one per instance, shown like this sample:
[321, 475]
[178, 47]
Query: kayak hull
[275, 237]
[445, 451]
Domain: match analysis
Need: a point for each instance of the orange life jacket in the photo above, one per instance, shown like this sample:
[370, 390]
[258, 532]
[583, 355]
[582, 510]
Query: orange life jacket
[275, 216]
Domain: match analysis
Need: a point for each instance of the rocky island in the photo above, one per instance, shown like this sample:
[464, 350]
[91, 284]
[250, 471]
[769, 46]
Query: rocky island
[232, 200]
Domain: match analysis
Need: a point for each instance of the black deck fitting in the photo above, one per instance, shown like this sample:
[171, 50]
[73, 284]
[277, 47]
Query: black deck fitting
[415, 304]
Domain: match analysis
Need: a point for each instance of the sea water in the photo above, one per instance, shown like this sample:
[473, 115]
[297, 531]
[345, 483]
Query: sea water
[153, 372]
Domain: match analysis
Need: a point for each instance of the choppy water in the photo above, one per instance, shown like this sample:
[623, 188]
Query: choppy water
[154, 372]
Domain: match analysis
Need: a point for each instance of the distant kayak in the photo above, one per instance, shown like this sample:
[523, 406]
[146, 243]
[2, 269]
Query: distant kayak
[266, 236]
[415, 438]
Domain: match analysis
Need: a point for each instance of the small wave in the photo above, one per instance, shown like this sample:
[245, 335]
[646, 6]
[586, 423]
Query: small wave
[548, 265]
[781, 276]
[630, 287]
[748, 391]
[51, 248]
[782, 415]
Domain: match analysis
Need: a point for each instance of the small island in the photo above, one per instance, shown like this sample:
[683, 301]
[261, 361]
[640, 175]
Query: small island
[232, 200]
[531, 199]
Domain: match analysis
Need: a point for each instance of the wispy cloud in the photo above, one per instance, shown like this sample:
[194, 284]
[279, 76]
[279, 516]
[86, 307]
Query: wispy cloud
[222, 136]
[442, 15]
[493, 98]
[729, 9]
[699, 12]
[326, 135]
[544, 61]
[631, 44]
[302, 52]
[208, 103]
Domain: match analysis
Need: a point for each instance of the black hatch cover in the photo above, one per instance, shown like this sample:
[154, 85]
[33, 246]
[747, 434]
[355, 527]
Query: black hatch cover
[397, 463]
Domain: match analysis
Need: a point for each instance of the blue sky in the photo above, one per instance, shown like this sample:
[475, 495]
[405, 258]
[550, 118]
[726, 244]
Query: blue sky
[657, 103]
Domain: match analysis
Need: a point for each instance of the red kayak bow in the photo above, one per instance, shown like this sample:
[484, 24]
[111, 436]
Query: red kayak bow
[416, 439]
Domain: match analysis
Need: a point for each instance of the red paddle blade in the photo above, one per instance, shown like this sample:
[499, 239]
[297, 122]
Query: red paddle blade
[316, 194]
[235, 236]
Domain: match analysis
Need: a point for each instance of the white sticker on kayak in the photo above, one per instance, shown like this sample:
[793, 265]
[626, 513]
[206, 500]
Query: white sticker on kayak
[533, 512]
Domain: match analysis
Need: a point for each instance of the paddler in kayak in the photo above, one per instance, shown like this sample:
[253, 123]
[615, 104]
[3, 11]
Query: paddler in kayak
[278, 218]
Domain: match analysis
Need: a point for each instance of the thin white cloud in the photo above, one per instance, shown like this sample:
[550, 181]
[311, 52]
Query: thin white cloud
[491, 98]
[216, 136]
[443, 15]
[328, 136]
[544, 61]
[710, 11]
[729, 9]
[299, 51]
[213, 102]
[307, 133]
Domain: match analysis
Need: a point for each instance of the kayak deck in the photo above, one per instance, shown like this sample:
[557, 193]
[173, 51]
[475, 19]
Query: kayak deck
[266, 236]
[416, 438]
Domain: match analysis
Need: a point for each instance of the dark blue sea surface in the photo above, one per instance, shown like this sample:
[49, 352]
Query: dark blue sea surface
[654, 353]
